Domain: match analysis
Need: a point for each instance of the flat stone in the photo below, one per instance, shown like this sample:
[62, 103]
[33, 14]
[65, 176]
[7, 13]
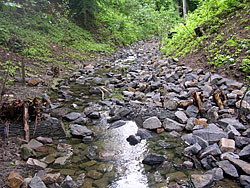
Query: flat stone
[94, 174]
[69, 172]
[51, 178]
[231, 121]
[68, 183]
[33, 144]
[44, 140]
[79, 130]
[72, 116]
[211, 150]
[217, 174]
[181, 117]
[193, 149]
[227, 145]
[241, 164]
[245, 152]
[152, 123]
[35, 162]
[117, 124]
[153, 159]
[144, 133]
[36, 182]
[171, 125]
[201, 181]
[14, 180]
[225, 156]
[228, 168]
[61, 161]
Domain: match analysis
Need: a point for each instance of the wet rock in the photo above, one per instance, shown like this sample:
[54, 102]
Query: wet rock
[181, 117]
[72, 116]
[14, 180]
[35, 162]
[192, 111]
[105, 167]
[44, 140]
[107, 155]
[144, 133]
[245, 152]
[68, 183]
[33, 144]
[36, 182]
[95, 91]
[178, 177]
[153, 159]
[79, 130]
[227, 145]
[211, 150]
[171, 125]
[117, 124]
[152, 123]
[94, 174]
[26, 152]
[201, 181]
[217, 174]
[245, 180]
[231, 121]
[133, 140]
[94, 115]
[69, 172]
[228, 168]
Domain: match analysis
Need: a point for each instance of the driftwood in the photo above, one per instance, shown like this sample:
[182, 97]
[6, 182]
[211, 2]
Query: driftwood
[218, 97]
[198, 100]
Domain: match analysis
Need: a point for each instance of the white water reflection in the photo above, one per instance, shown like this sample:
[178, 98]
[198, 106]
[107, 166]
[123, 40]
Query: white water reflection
[130, 170]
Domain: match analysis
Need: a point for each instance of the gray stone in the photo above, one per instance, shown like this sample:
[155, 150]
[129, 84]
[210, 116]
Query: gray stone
[232, 132]
[188, 164]
[34, 144]
[171, 125]
[153, 159]
[170, 104]
[212, 114]
[245, 152]
[245, 180]
[228, 168]
[215, 78]
[128, 93]
[61, 161]
[35, 162]
[192, 111]
[193, 149]
[190, 124]
[152, 123]
[26, 152]
[192, 139]
[208, 162]
[68, 183]
[241, 141]
[174, 134]
[241, 164]
[79, 130]
[211, 150]
[44, 140]
[144, 133]
[231, 121]
[217, 174]
[201, 181]
[226, 155]
[72, 116]
[181, 117]
[94, 115]
[36, 182]
[117, 124]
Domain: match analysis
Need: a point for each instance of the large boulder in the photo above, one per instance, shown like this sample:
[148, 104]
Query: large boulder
[79, 130]
[152, 123]
[171, 125]
[153, 159]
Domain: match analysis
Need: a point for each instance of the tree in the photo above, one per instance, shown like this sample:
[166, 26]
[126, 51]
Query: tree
[184, 8]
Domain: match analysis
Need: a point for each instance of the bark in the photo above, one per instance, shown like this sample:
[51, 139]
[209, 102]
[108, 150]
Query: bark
[198, 100]
[218, 100]
[178, 7]
[184, 8]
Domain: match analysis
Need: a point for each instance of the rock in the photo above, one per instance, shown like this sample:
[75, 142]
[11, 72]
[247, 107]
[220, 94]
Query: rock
[14, 180]
[225, 156]
[79, 130]
[117, 124]
[26, 152]
[232, 132]
[44, 140]
[245, 180]
[201, 181]
[202, 122]
[152, 123]
[51, 178]
[192, 111]
[26, 182]
[67, 171]
[170, 104]
[35, 162]
[212, 114]
[87, 139]
[72, 116]
[215, 78]
[188, 164]
[128, 93]
[217, 174]
[190, 124]
[80, 179]
[241, 141]
[211, 133]
[208, 162]
[36, 182]
[228, 168]
[171, 125]
[241, 164]
[33, 144]
[153, 159]
[194, 149]
[144, 133]
[133, 140]
[68, 183]
[61, 161]
[227, 145]
[94, 174]
[210, 150]
[94, 115]
[192, 139]
[245, 152]
[231, 121]
[181, 117]
[174, 134]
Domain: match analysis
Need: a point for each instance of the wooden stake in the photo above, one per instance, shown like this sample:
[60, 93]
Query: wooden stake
[25, 121]
[218, 100]
[198, 101]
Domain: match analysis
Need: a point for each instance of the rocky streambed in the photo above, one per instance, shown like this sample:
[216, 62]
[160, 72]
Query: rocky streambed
[136, 119]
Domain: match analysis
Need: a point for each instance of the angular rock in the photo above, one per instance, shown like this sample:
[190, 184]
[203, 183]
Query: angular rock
[201, 181]
[144, 133]
[44, 140]
[245, 152]
[33, 144]
[153, 159]
[212, 114]
[231, 121]
[192, 111]
[211, 150]
[227, 145]
[35, 162]
[80, 179]
[152, 123]
[228, 168]
[72, 116]
[181, 117]
[208, 162]
[171, 125]
[193, 149]
[68, 183]
[61, 161]
[225, 156]
[245, 180]
[192, 139]
[232, 132]
[133, 140]
[26, 152]
[241, 164]
[241, 141]
[94, 174]
[79, 130]
[94, 115]
[14, 180]
[217, 174]
[170, 104]
[51, 178]
[36, 182]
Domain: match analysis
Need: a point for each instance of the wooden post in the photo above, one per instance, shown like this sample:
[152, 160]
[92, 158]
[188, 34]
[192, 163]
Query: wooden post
[25, 121]
[184, 8]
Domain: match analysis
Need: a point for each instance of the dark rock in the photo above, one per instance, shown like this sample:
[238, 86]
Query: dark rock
[79, 130]
[26, 152]
[87, 139]
[117, 124]
[208, 162]
[153, 159]
[144, 134]
[245, 152]
[133, 140]
[245, 180]
[192, 111]
[210, 150]
[228, 168]
[231, 121]
[241, 141]
[68, 183]
[94, 90]
[72, 116]
[240, 164]
[94, 115]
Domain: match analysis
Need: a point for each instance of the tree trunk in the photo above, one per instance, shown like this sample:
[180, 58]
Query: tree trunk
[178, 7]
[184, 8]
